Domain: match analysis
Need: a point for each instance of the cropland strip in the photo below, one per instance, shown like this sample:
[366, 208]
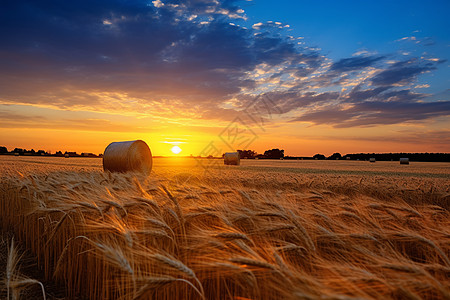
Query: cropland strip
[225, 235]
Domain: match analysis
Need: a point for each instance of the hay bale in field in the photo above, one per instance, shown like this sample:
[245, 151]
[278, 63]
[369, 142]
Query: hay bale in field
[372, 159]
[404, 161]
[232, 158]
[128, 156]
[16, 154]
[66, 155]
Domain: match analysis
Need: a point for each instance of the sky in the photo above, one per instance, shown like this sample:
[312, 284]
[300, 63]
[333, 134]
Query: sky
[213, 76]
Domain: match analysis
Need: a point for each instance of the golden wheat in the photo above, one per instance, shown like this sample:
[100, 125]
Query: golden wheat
[229, 235]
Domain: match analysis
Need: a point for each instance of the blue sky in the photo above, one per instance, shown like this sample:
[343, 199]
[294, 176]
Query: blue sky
[354, 73]
[341, 28]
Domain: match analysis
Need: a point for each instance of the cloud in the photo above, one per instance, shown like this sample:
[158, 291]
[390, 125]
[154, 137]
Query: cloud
[371, 113]
[182, 59]
[21, 120]
[355, 63]
[11, 117]
[158, 3]
[425, 41]
[401, 73]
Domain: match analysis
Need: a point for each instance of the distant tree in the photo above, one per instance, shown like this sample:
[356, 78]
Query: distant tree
[18, 150]
[319, 156]
[335, 156]
[247, 153]
[274, 153]
[3, 149]
[59, 153]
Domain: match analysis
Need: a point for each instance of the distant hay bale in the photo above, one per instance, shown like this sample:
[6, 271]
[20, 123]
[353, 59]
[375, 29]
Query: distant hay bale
[232, 158]
[66, 155]
[128, 156]
[16, 154]
[404, 161]
[372, 159]
[347, 158]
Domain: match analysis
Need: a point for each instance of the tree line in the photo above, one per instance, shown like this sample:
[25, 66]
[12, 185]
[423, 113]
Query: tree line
[32, 152]
[269, 154]
[279, 154]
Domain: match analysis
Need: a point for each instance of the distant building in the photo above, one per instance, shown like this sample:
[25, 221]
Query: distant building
[85, 154]
[70, 154]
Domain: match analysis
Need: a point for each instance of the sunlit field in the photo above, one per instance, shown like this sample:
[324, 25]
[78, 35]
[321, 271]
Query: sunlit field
[196, 229]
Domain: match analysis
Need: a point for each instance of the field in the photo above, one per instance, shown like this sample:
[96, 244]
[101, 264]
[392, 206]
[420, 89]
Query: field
[195, 229]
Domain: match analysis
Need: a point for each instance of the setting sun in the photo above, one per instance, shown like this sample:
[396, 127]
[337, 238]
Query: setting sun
[176, 149]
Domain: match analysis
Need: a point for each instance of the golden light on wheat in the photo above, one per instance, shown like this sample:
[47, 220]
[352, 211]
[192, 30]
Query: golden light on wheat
[231, 234]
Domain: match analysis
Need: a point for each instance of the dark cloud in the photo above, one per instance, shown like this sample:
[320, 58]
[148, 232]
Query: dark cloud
[373, 113]
[357, 94]
[384, 93]
[120, 45]
[355, 63]
[401, 73]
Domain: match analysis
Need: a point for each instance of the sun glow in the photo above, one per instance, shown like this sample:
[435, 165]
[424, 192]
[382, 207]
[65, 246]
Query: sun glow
[176, 149]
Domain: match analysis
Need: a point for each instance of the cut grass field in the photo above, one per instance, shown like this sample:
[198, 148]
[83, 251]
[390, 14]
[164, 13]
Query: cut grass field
[264, 230]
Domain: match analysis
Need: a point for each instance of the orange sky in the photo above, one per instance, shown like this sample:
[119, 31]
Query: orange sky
[211, 78]
[299, 139]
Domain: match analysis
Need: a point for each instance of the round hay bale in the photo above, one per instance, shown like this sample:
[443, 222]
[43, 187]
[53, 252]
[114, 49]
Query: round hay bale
[66, 155]
[404, 161]
[372, 159]
[232, 158]
[128, 156]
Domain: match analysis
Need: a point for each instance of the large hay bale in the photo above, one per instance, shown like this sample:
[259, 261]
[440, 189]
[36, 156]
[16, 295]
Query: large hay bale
[128, 156]
[404, 161]
[232, 158]
[372, 159]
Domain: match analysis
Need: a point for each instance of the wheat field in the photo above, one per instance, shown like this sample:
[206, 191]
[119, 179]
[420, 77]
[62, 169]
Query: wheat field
[264, 230]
